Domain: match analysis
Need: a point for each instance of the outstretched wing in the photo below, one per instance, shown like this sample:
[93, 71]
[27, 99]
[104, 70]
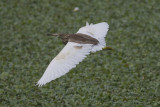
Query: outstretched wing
[68, 58]
[97, 31]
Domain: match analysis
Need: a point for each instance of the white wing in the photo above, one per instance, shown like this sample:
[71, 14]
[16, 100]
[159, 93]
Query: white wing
[97, 31]
[68, 58]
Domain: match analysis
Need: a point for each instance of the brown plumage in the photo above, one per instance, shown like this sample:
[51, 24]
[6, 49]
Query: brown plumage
[77, 38]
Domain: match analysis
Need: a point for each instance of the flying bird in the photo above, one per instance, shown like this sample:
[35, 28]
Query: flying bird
[88, 39]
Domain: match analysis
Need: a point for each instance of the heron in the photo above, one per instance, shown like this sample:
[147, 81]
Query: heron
[89, 39]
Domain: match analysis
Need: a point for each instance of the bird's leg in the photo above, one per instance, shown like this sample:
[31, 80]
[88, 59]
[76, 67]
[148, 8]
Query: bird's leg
[107, 48]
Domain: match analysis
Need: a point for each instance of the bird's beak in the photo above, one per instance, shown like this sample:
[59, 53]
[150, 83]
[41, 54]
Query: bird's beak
[107, 48]
[49, 34]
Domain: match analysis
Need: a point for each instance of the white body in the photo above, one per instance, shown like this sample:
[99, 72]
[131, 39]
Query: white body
[73, 53]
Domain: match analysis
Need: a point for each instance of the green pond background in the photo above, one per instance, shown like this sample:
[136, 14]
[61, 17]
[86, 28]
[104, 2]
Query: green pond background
[127, 76]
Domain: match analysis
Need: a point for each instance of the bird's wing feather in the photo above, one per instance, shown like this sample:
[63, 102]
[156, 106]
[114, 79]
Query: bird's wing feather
[97, 31]
[68, 58]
